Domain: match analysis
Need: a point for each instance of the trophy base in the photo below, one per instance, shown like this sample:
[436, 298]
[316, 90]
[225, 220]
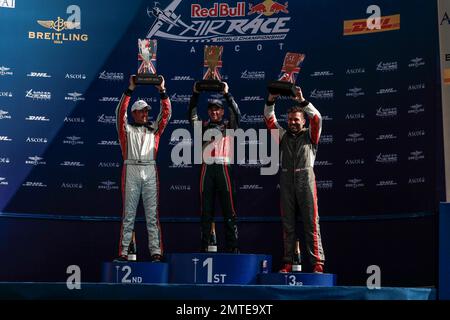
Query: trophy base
[148, 79]
[132, 257]
[212, 248]
[209, 85]
[283, 88]
[296, 268]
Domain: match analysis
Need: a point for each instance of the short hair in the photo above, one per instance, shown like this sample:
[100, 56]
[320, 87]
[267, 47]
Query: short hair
[297, 109]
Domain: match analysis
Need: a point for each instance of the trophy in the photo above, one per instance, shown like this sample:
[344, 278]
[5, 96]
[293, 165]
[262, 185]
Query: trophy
[212, 78]
[146, 73]
[285, 86]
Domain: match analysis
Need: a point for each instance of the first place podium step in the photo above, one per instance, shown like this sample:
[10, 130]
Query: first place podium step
[217, 268]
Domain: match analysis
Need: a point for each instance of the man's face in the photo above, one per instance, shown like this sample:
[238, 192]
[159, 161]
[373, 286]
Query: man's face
[140, 116]
[296, 122]
[215, 114]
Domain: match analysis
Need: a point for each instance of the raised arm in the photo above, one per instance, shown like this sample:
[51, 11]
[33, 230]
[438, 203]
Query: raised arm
[235, 113]
[165, 111]
[121, 114]
[271, 120]
[193, 103]
[315, 118]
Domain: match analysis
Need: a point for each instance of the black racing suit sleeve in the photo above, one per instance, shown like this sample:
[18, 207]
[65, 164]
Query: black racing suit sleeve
[192, 111]
[235, 113]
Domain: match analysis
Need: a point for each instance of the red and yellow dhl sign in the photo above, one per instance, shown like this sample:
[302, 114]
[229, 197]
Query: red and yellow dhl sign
[387, 23]
[447, 77]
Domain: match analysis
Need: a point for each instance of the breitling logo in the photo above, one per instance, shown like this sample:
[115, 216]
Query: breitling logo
[60, 26]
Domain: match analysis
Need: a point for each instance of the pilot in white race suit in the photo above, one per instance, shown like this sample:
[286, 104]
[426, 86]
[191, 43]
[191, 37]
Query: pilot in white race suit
[139, 142]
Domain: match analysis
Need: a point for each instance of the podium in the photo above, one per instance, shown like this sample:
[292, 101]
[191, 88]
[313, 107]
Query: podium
[135, 272]
[217, 268]
[298, 279]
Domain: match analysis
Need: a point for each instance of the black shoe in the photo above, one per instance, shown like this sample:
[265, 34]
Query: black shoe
[234, 250]
[156, 258]
[122, 258]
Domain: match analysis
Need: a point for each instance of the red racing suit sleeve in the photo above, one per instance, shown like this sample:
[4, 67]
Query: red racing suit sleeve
[272, 124]
[315, 122]
[163, 119]
[121, 121]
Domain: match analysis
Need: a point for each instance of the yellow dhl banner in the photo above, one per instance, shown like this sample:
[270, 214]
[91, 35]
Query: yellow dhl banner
[359, 26]
[447, 76]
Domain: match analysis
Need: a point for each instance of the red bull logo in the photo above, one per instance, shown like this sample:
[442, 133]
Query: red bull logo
[268, 8]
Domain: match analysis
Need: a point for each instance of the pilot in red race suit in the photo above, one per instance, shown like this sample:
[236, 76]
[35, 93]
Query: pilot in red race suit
[216, 178]
[298, 192]
[139, 143]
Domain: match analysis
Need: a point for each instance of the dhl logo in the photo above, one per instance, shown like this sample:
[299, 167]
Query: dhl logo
[447, 76]
[387, 23]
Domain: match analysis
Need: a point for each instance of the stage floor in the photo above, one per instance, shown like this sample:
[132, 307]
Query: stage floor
[105, 291]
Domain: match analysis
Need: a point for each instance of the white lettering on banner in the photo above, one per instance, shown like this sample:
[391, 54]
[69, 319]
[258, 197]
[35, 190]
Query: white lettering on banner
[106, 119]
[4, 115]
[179, 187]
[387, 158]
[416, 86]
[354, 92]
[75, 76]
[112, 76]
[386, 183]
[322, 94]
[416, 155]
[354, 183]
[387, 112]
[39, 95]
[203, 28]
[74, 120]
[36, 140]
[416, 180]
[38, 75]
[109, 165]
[108, 185]
[3, 181]
[354, 137]
[387, 66]
[416, 62]
[5, 161]
[34, 184]
[37, 118]
[4, 71]
[73, 140]
[74, 96]
[5, 138]
[253, 75]
[35, 161]
[386, 91]
[415, 109]
[355, 71]
[322, 74]
[251, 187]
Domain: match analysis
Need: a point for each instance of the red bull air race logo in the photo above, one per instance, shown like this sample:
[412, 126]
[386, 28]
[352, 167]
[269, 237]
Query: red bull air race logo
[221, 22]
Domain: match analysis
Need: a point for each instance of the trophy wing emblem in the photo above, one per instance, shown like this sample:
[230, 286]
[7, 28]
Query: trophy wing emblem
[46, 23]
